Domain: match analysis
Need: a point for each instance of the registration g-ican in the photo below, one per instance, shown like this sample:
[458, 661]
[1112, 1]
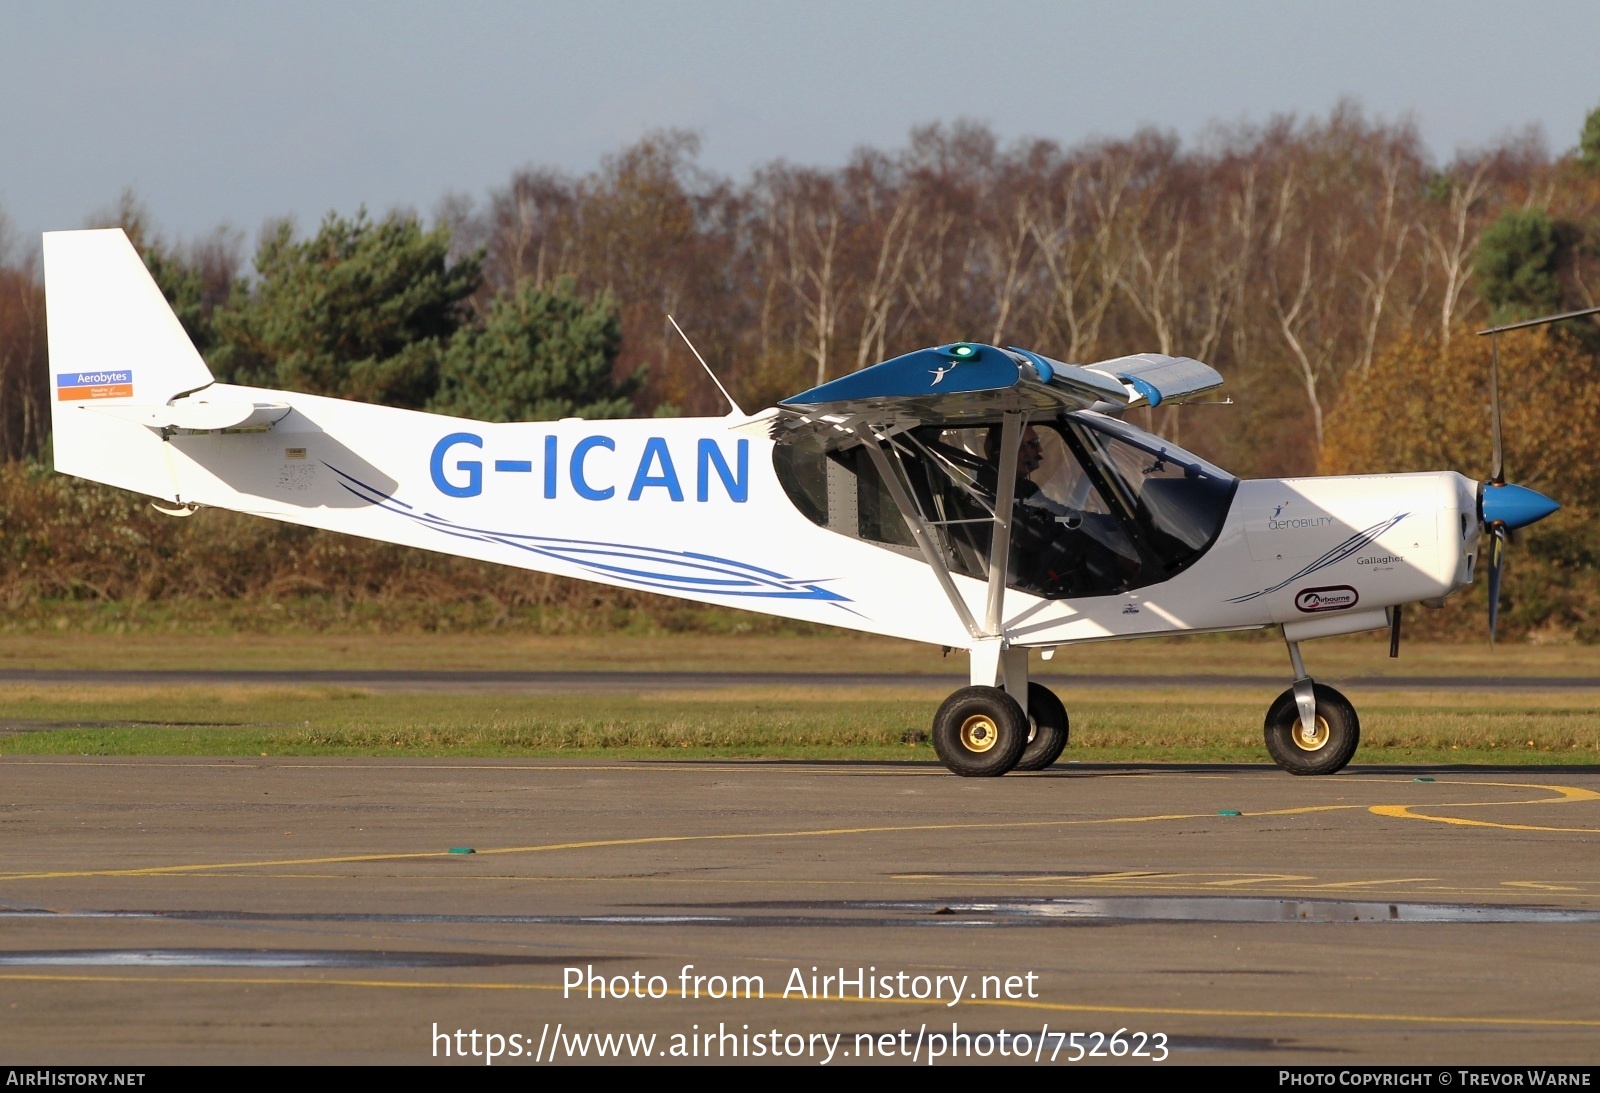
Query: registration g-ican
[973, 496]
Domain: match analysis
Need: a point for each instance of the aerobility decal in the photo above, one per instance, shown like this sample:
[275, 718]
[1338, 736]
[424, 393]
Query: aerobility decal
[644, 566]
[1279, 522]
[1353, 545]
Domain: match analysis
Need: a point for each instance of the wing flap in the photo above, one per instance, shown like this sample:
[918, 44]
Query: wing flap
[1154, 378]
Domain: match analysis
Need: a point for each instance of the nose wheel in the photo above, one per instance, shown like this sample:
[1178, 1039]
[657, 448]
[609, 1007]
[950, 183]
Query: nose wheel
[1322, 747]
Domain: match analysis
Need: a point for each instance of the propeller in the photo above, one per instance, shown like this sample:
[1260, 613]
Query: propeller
[1502, 507]
[1497, 561]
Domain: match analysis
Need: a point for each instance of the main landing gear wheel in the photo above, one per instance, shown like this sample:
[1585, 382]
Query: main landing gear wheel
[1047, 729]
[980, 732]
[1323, 751]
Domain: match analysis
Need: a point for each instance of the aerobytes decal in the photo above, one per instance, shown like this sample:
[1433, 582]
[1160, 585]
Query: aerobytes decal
[1353, 545]
[1339, 597]
[81, 386]
[643, 566]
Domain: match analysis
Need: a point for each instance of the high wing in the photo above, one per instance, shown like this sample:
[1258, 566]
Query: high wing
[966, 381]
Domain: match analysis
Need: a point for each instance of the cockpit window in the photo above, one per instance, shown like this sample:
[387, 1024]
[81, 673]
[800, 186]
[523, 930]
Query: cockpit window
[1177, 499]
[1099, 507]
[1065, 539]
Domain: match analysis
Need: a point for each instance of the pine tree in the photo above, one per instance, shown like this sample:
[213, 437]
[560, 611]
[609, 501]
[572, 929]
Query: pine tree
[540, 355]
[362, 310]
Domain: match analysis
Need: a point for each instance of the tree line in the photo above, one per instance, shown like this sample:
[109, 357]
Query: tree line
[1329, 267]
[1287, 255]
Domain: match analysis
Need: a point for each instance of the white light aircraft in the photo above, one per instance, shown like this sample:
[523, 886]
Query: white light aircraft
[970, 496]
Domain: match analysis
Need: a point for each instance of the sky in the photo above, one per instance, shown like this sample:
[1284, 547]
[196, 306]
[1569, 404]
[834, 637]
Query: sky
[236, 113]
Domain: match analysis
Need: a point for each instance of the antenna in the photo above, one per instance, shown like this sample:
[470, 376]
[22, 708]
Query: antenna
[706, 366]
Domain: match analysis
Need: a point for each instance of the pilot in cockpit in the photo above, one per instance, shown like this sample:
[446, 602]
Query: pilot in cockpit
[1052, 549]
[1039, 507]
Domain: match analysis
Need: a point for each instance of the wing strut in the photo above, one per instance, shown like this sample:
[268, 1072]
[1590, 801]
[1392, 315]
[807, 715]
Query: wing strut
[919, 527]
[1000, 543]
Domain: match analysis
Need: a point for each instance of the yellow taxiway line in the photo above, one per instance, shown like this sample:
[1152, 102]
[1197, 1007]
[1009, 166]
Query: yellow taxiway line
[1563, 795]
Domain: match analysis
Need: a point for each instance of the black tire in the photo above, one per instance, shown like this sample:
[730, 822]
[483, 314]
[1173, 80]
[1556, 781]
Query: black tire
[1338, 733]
[1047, 729]
[980, 732]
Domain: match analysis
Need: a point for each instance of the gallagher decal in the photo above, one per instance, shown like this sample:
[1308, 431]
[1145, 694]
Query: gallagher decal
[1358, 542]
[1339, 597]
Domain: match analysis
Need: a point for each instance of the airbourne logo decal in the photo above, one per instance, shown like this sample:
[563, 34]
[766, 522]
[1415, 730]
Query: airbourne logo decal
[644, 566]
[1353, 545]
[1339, 597]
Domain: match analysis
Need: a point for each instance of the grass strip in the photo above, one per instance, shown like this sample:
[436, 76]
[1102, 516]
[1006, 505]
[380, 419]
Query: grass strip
[1253, 653]
[1158, 725]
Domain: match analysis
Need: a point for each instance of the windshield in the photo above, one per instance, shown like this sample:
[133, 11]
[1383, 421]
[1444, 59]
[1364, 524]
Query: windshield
[1177, 500]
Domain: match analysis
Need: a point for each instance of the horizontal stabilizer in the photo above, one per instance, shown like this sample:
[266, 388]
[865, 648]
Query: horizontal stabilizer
[199, 415]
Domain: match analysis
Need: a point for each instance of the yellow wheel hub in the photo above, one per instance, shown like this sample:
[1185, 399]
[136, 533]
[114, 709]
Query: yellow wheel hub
[979, 732]
[1314, 741]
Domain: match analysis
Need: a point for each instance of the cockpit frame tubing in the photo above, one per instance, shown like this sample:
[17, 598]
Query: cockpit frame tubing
[919, 528]
[1123, 506]
[1005, 493]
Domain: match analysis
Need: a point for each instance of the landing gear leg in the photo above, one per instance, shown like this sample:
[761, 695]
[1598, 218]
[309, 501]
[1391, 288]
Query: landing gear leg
[1311, 728]
[982, 730]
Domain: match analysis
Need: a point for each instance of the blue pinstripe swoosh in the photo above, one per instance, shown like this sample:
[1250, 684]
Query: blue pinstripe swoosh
[1357, 542]
[644, 566]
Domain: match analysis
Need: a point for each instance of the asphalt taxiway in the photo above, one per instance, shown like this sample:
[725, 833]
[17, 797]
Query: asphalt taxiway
[327, 910]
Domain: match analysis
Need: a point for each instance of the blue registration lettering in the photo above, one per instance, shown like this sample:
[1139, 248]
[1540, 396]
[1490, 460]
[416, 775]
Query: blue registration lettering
[549, 466]
[579, 454]
[655, 449]
[709, 455]
[473, 467]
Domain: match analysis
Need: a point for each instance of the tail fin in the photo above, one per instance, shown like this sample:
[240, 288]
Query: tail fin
[106, 315]
[114, 342]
